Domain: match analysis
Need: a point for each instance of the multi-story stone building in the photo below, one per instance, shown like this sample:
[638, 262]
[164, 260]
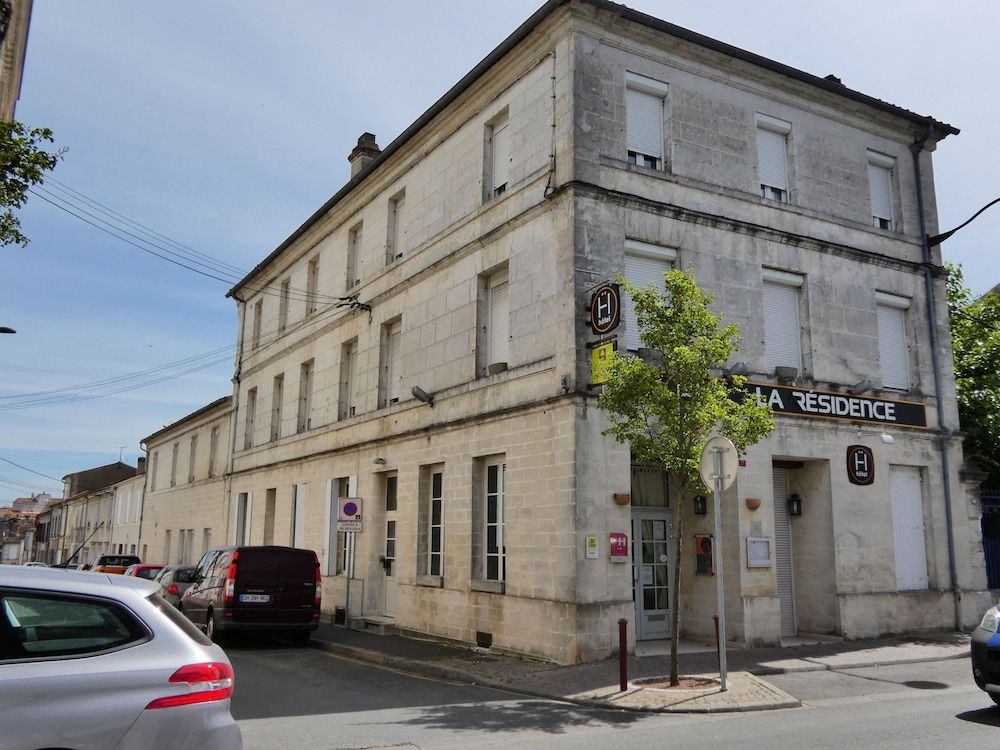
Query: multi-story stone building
[183, 508]
[421, 345]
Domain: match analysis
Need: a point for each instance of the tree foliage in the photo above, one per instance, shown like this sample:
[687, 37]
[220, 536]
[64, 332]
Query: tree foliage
[975, 340]
[666, 404]
[25, 162]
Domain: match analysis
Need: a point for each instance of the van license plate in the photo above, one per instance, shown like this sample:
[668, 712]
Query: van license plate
[255, 597]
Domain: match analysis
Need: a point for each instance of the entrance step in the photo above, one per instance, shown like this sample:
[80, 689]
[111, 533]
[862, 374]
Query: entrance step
[373, 624]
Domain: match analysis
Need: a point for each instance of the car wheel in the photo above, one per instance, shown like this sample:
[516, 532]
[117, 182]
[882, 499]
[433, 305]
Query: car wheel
[300, 639]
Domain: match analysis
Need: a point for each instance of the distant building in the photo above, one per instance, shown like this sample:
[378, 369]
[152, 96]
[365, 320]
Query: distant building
[15, 17]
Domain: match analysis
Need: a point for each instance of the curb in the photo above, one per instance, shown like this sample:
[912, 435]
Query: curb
[819, 667]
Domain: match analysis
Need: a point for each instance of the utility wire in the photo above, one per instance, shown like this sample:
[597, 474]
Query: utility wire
[25, 468]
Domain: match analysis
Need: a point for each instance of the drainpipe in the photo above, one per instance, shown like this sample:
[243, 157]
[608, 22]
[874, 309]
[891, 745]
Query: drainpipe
[946, 433]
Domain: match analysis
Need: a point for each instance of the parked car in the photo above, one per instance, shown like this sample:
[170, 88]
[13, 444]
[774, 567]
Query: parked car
[255, 589]
[174, 581]
[153, 680]
[986, 654]
[143, 570]
[111, 563]
[34, 564]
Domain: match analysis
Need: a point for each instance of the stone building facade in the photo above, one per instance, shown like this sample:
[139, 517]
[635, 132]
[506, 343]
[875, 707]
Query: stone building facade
[415, 360]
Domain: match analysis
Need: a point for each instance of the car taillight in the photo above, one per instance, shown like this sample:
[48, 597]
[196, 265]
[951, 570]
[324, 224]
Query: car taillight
[319, 593]
[227, 599]
[208, 682]
[172, 589]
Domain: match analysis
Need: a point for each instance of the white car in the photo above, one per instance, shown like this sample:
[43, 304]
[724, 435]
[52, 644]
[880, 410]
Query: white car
[92, 661]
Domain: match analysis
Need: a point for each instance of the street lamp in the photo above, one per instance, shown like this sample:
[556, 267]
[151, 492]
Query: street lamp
[5, 329]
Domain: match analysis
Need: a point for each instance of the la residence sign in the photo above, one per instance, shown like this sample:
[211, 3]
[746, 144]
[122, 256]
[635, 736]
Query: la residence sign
[804, 402]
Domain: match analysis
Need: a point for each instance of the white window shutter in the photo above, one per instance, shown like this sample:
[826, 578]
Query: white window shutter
[909, 536]
[771, 159]
[640, 270]
[501, 155]
[395, 374]
[644, 122]
[355, 384]
[892, 347]
[499, 330]
[880, 184]
[782, 337]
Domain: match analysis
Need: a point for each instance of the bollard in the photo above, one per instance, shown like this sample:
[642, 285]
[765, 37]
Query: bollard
[623, 654]
[717, 658]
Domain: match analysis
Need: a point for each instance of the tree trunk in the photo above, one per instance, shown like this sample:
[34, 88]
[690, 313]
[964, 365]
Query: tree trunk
[675, 589]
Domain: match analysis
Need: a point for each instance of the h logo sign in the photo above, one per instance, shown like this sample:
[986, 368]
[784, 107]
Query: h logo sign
[860, 464]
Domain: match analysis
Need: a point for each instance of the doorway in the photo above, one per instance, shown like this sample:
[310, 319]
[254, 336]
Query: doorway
[652, 543]
[388, 557]
[783, 554]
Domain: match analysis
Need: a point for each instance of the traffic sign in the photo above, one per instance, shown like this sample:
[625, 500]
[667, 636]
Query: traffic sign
[349, 514]
[730, 461]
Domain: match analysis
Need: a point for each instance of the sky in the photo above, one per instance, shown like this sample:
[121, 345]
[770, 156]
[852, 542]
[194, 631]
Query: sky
[222, 125]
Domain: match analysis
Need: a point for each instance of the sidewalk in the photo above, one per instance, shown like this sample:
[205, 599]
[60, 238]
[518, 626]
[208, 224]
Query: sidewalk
[596, 683]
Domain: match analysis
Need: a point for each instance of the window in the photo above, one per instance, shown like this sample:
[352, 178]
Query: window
[497, 156]
[277, 398]
[312, 286]
[305, 396]
[772, 157]
[892, 348]
[880, 169]
[192, 455]
[213, 450]
[353, 255]
[496, 550]
[270, 501]
[167, 544]
[395, 243]
[242, 509]
[258, 313]
[206, 540]
[286, 286]
[341, 544]
[493, 336]
[297, 531]
[644, 114]
[175, 452]
[782, 331]
[645, 265]
[392, 376]
[348, 379]
[248, 423]
[435, 525]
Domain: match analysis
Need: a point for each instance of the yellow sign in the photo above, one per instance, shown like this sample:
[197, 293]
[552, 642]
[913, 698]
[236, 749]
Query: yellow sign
[600, 363]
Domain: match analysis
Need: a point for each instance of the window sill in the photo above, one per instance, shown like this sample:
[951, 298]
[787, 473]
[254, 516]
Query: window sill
[488, 587]
[434, 582]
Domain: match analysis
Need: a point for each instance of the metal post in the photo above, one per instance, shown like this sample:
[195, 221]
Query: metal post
[717, 548]
[715, 617]
[623, 654]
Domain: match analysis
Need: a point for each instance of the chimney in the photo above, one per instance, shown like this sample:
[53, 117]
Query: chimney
[140, 467]
[363, 153]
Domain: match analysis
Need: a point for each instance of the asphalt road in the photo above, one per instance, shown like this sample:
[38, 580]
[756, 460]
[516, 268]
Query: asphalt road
[289, 698]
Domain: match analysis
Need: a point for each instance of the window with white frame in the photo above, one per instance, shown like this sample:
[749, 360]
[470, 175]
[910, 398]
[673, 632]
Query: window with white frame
[880, 171]
[498, 155]
[496, 550]
[772, 157]
[396, 241]
[340, 543]
[277, 399]
[298, 524]
[304, 421]
[173, 464]
[430, 532]
[242, 512]
[782, 328]
[348, 379]
[645, 101]
[893, 351]
[645, 265]
[249, 418]
[354, 237]
[258, 314]
[312, 286]
[392, 374]
[192, 457]
[494, 335]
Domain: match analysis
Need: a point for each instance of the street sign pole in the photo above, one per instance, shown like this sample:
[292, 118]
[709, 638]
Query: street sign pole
[717, 548]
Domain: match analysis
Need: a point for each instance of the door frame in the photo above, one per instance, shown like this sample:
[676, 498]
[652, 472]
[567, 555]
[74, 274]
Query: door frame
[643, 630]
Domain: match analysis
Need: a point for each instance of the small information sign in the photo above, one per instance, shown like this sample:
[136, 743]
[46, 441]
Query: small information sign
[600, 363]
[593, 551]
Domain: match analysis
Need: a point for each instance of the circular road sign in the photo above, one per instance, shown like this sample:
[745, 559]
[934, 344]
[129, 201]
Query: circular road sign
[730, 461]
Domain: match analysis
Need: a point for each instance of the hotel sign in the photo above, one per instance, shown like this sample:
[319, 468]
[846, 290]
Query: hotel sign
[802, 402]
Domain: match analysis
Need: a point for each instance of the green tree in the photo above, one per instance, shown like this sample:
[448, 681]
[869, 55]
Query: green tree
[25, 163]
[666, 404]
[975, 340]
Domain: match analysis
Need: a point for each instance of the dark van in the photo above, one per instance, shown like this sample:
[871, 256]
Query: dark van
[255, 589]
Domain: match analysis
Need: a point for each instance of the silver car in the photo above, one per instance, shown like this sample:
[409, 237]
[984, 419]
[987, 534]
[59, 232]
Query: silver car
[92, 661]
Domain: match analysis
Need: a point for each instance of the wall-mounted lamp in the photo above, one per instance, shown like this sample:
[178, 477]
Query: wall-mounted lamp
[887, 438]
[423, 396]
[740, 368]
[700, 505]
[862, 386]
[380, 461]
[786, 373]
[794, 505]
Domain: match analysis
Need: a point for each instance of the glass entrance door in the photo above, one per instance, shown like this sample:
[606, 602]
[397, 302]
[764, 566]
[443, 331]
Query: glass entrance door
[652, 545]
